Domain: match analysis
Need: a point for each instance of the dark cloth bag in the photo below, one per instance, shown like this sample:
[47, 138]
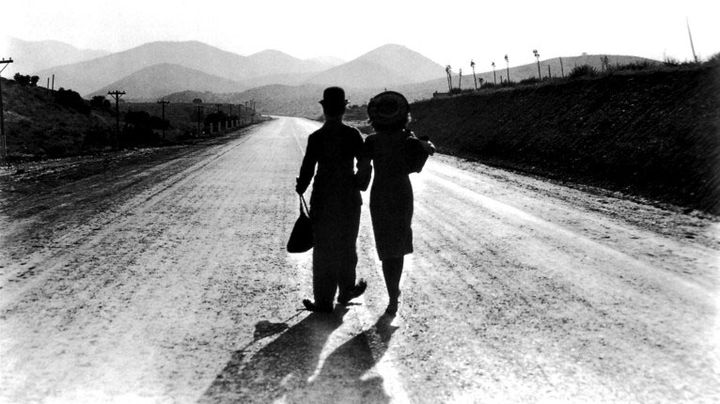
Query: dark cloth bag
[415, 155]
[301, 237]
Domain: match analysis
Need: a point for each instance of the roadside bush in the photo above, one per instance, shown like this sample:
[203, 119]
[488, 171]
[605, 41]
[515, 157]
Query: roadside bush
[138, 130]
[71, 99]
[60, 143]
[634, 66]
[100, 102]
[26, 80]
[96, 138]
[714, 59]
[671, 62]
[583, 71]
[530, 80]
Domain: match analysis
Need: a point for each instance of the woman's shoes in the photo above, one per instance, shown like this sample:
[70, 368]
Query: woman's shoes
[392, 306]
[310, 306]
[356, 291]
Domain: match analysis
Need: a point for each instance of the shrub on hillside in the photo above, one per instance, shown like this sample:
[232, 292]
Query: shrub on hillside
[71, 99]
[530, 80]
[671, 62]
[714, 59]
[583, 71]
[634, 66]
[100, 102]
[138, 130]
[26, 80]
[96, 138]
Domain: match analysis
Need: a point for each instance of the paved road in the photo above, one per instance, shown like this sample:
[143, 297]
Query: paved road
[171, 284]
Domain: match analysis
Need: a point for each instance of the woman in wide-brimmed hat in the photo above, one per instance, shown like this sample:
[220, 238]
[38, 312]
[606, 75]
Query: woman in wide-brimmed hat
[395, 152]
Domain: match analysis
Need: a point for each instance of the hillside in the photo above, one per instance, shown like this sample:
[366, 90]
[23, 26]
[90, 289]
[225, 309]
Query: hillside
[38, 124]
[654, 133]
[89, 76]
[386, 66]
[158, 80]
[425, 89]
[32, 56]
[41, 124]
[270, 61]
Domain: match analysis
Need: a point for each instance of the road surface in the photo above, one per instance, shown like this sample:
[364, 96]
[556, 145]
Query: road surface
[170, 284]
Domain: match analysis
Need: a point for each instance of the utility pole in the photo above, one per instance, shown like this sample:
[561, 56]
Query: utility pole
[3, 142]
[494, 77]
[508, 68]
[562, 71]
[537, 57]
[472, 64]
[549, 74]
[117, 94]
[52, 87]
[692, 46]
[163, 103]
[460, 80]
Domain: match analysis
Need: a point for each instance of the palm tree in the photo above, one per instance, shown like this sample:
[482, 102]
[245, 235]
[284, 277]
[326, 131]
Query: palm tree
[449, 77]
[494, 77]
[472, 64]
[508, 68]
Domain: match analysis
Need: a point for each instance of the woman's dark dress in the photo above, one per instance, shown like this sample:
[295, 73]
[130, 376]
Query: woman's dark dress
[391, 194]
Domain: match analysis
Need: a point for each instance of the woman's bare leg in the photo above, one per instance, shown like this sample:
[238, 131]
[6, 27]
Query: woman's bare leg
[392, 271]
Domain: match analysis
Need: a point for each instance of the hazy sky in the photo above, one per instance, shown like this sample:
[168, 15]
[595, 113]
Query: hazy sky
[449, 32]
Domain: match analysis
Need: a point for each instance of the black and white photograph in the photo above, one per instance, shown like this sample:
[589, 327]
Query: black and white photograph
[322, 201]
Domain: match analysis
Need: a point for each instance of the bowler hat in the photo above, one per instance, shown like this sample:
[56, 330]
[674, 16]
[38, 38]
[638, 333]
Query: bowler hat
[333, 96]
[388, 108]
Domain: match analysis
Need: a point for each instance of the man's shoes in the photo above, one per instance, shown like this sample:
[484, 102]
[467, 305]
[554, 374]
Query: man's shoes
[356, 291]
[310, 306]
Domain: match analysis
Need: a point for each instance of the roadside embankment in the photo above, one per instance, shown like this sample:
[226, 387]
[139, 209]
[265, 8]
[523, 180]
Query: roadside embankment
[654, 134]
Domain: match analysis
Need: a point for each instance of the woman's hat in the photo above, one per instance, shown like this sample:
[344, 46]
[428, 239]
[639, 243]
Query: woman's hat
[388, 108]
[333, 96]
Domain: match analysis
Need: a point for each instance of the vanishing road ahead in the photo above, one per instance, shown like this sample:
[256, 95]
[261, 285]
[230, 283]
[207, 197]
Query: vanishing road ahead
[170, 283]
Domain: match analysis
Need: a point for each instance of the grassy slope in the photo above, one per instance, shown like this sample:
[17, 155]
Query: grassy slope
[651, 133]
[37, 126]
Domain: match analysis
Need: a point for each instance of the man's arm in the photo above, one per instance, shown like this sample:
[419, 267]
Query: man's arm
[307, 169]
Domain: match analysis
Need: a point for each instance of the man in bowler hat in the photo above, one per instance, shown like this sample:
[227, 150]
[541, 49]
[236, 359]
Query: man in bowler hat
[334, 205]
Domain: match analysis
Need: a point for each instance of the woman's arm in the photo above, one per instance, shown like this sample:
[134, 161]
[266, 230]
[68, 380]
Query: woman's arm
[364, 168]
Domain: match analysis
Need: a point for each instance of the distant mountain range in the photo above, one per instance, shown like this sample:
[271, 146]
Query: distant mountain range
[302, 100]
[278, 82]
[29, 57]
[388, 65]
[165, 78]
[89, 76]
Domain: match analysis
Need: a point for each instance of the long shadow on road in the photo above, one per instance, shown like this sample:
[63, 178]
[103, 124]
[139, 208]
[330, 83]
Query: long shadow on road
[287, 368]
